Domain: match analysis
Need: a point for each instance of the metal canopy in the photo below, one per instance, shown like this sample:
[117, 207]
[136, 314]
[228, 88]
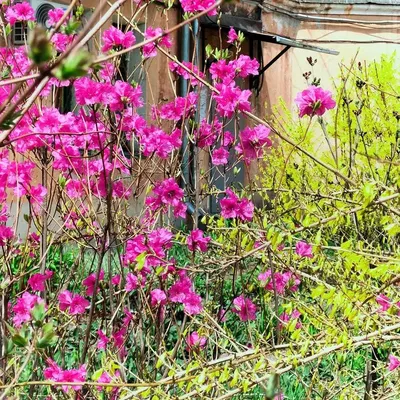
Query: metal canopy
[252, 27]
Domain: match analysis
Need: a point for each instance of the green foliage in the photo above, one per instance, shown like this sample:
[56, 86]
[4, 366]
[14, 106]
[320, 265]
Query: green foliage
[75, 65]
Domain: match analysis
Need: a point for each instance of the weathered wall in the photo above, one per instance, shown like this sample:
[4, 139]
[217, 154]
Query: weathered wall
[354, 28]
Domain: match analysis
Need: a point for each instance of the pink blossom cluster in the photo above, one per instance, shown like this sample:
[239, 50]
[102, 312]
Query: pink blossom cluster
[167, 194]
[282, 282]
[155, 245]
[54, 16]
[227, 71]
[206, 134]
[18, 62]
[233, 207]
[6, 234]
[181, 107]
[55, 373]
[230, 99]
[182, 292]
[113, 38]
[193, 6]
[117, 96]
[253, 141]
[286, 318]
[179, 70]
[197, 241]
[20, 12]
[195, 342]
[118, 337]
[23, 308]
[394, 363]
[303, 249]
[73, 303]
[314, 101]
[244, 308]
[37, 281]
[150, 50]
[386, 303]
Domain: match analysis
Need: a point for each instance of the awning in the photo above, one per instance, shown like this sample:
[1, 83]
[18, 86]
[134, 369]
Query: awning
[252, 27]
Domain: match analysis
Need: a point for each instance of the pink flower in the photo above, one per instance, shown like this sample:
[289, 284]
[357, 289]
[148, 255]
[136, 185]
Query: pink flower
[123, 94]
[207, 133]
[54, 373]
[36, 282]
[38, 193]
[150, 50]
[116, 279]
[73, 303]
[197, 241]
[286, 318]
[182, 292]
[55, 16]
[224, 71]
[180, 107]
[113, 38]
[245, 66]
[304, 249]
[131, 282]
[23, 307]
[108, 71]
[245, 308]
[232, 207]
[282, 281]
[384, 302]
[158, 297]
[20, 12]
[74, 189]
[175, 67]
[88, 92]
[192, 6]
[220, 156]
[61, 41]
[119, 341]
[159, 241]
[314, 101]
[103, 340]
[228, 138]
[155, 140]
[394, 363]
[195, 342]
[6, 234]
[253, 141]
[232, 35]
[230, 99]
[90, 281]
[167, 193]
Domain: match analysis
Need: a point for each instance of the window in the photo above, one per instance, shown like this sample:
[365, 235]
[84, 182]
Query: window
[19, 34]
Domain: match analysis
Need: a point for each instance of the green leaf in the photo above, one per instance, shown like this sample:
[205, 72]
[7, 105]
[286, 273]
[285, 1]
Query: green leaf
[8, 345]
[48, 338]
[38, 313]
[74, 66]
[71, 26]
[97, 374]
[8, 30]
[19, 340]
[140, 260]
[40, 48]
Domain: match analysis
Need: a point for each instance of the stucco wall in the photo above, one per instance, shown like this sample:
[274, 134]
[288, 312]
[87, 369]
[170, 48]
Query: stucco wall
[367, 34]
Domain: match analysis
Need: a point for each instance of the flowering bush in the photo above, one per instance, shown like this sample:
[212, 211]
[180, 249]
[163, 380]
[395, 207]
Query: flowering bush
[100, 301]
